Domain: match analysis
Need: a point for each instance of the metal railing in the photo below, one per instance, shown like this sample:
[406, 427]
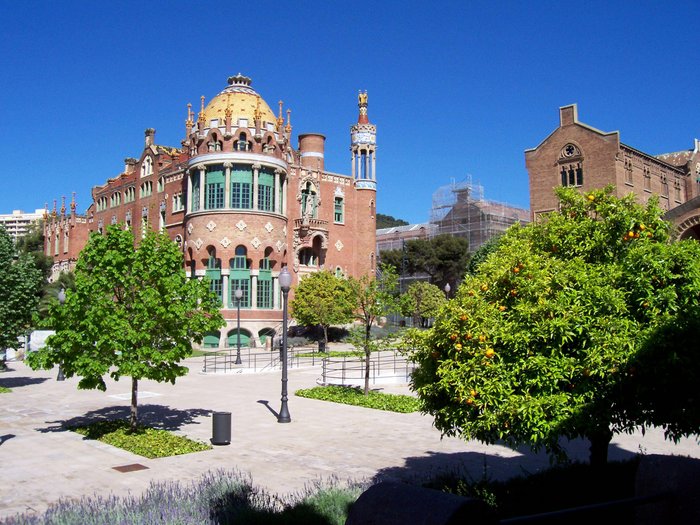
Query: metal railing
[256, 360]
[387, 366]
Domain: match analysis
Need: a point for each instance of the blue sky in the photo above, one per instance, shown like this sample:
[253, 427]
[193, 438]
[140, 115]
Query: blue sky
[455, 88]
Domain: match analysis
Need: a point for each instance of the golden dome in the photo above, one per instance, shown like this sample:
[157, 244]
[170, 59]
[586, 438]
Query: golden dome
[241, 101]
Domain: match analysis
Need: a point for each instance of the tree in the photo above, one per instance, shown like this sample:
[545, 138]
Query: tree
[547, 337]
[387, 221]
[322, 299]
[421, 301]
[133, 313]
[443, 258]
[32, 243]
[20, 282]
[371, 299]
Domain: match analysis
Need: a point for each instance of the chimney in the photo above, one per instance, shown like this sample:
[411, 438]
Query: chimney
[129, 165]
[311, 146]
[150, 134]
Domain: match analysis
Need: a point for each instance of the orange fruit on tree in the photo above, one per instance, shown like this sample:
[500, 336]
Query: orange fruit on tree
[490, 352]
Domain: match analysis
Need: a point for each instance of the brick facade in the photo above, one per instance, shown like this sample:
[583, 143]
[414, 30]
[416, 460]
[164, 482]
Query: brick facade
[242, 202]
[581, 156]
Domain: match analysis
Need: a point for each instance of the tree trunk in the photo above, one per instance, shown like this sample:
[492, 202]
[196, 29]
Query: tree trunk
[600, 442]
[134, 397]
[368, 352]
[325, 338]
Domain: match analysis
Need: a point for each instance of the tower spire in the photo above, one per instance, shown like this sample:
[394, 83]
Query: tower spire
[362, 105]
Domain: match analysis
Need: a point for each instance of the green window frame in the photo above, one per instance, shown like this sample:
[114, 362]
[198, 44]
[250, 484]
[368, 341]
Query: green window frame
[339, 208]
[194, 205]
[214, 181]
[266, 187]
[211, 340]
[241, 187]
[264, 291]
[213, 274]
[239, 278]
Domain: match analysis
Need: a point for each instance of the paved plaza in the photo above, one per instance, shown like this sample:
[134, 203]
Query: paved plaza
[42, 462]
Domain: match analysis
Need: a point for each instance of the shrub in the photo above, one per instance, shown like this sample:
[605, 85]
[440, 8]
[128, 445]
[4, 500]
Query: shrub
[147, 442]
[354, 396]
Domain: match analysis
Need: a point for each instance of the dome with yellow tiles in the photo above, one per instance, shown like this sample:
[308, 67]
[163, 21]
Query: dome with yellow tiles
[241, 101]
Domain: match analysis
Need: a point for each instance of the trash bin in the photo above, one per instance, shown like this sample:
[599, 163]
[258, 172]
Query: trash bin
[221, 428]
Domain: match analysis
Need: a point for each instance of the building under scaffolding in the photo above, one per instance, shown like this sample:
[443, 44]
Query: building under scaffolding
[459, 209]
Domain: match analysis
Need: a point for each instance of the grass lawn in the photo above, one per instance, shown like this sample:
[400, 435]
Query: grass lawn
[145, 441]
[5, 390]
[355, 396]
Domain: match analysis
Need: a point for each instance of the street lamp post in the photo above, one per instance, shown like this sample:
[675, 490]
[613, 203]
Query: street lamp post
[61, 301]
[239, 295]
[285, 280]
[447, 290]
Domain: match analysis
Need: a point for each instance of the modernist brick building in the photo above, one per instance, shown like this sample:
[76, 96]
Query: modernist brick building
[242, 202]
[581, 156]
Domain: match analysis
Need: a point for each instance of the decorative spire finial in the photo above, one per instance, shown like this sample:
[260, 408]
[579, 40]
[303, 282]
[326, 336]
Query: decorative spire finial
[288, 127]
[201, 114]
[362, 104]
[280, 119]
[72, 204]
[63, 205]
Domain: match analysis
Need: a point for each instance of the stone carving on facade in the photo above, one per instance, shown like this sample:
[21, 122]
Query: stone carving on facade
[279, 246]
[225, 242]
[255, 243]
[269, 227]
[211, 225]
[190, 228]
[339, 245]
[198, 244]
[241, 225]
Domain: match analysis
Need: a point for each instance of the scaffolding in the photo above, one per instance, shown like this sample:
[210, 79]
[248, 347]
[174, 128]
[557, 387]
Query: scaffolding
[459, 209]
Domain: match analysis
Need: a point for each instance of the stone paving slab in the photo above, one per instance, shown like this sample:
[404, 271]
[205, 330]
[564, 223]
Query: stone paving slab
[41, 462]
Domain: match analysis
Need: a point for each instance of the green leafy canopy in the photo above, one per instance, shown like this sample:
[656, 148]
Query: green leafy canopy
[549, 335]
[133, 312]
[20, 283]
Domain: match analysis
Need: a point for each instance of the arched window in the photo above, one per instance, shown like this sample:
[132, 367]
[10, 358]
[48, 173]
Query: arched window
[266, 186]
[307, 257]
[239, 277]
[146, 189]
[147, 167]
[213, 273]
[232, 338]
[241, 187]
[242, 143]
[571, 166]
[211, 340]
[214, 188]
[214, 144]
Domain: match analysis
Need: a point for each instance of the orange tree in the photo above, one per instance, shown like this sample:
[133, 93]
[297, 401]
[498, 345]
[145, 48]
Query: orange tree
[547, 338]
